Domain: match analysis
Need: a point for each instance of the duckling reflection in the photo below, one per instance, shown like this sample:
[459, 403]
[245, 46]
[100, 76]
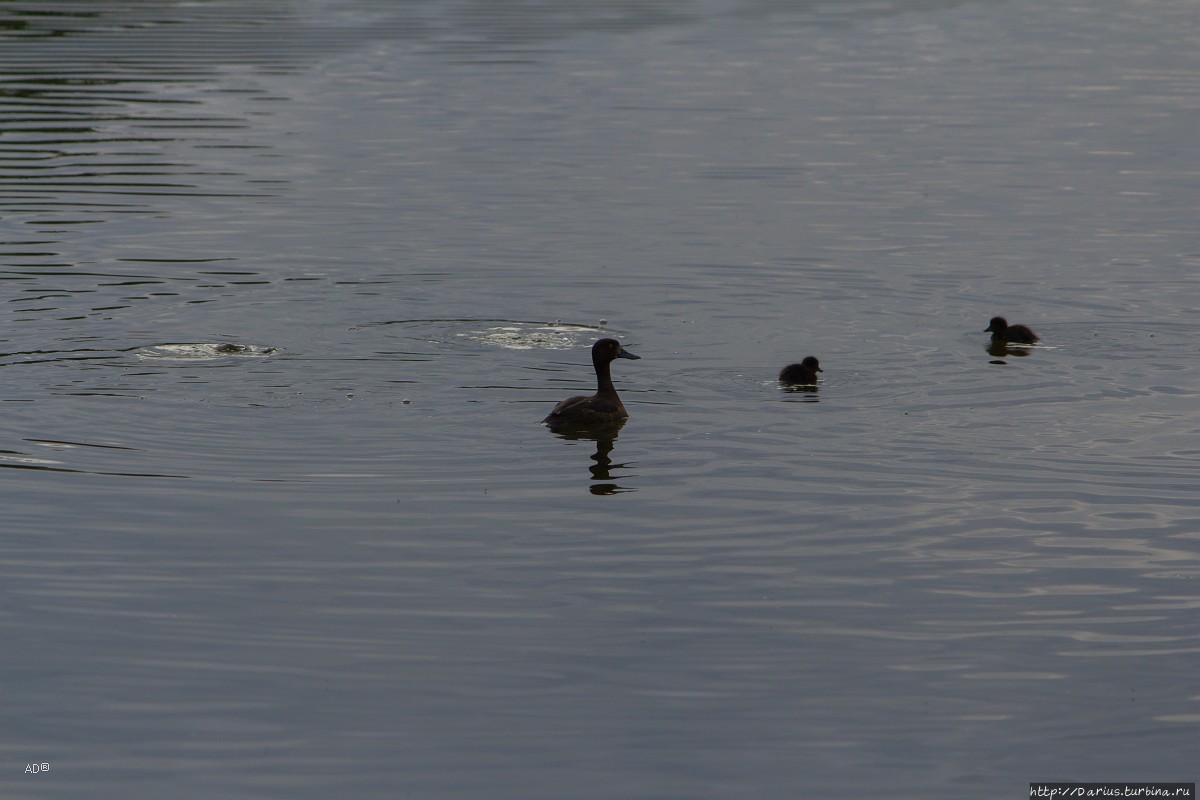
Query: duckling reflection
[601, 471]
[806, 394]
[1000, 349]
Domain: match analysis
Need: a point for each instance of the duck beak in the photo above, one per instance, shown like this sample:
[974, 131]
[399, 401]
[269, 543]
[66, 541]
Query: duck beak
[626, 354]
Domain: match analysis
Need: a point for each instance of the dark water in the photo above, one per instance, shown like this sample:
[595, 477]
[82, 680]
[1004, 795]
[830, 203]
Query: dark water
[341, 558]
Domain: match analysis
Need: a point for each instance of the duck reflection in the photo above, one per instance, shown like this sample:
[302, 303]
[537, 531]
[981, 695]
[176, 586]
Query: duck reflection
[603, 481]
[999, 348]
[806, 394]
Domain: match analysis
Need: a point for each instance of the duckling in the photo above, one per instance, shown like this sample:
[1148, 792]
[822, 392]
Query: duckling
[1003, 332]
[802, 374]
[604, 408]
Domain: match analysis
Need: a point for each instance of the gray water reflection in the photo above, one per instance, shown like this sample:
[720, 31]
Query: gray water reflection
[290, 285]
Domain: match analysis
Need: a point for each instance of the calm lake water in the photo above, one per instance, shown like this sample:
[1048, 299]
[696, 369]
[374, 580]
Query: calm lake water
[289, 286]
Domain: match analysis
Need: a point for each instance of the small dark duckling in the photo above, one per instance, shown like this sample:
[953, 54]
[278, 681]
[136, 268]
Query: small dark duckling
[802, 374]
[604, 407]
[1003, 332]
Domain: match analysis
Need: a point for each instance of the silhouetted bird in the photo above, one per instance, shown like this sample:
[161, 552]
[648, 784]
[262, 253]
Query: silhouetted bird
[801, 374]
[604, 407]
[1003, 332]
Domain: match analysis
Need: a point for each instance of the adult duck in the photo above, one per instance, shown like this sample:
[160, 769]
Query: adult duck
[1016, 334]
[802, 374]
[604, 408]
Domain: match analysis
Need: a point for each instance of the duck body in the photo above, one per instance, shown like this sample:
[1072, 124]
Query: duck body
[604, 408]
[1003, 332]
[802, 374]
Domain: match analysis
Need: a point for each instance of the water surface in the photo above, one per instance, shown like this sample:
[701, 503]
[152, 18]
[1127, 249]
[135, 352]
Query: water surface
[289, 286]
